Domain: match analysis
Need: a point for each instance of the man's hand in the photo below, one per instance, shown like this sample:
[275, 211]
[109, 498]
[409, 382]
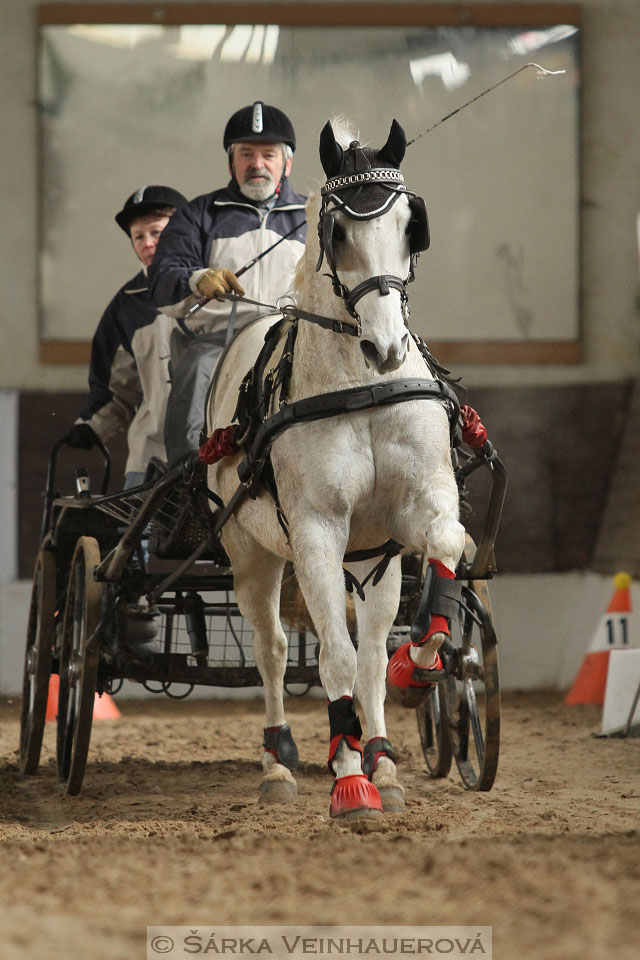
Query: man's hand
[219, 281]
[82, 436]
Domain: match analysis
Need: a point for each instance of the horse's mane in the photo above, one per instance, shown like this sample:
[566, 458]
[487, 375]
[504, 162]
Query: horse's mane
[344, 130]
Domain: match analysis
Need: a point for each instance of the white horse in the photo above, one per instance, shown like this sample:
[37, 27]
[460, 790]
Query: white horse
[348, 482]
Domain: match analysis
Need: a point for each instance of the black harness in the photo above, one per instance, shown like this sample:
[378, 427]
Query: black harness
[258, 425]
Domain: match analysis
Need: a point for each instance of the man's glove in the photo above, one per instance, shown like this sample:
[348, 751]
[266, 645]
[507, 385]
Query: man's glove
[219, 281]
[82, 436]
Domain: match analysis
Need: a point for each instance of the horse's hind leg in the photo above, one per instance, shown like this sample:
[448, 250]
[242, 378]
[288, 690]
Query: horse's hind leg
[375, 617]
[257, 575]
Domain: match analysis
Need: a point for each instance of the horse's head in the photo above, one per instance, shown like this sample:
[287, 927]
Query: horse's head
[370, 230]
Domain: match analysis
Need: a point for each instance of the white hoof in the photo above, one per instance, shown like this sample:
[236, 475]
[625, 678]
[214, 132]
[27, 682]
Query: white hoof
[392, 799]
[278, 791]
[278, 785]
[364, 814]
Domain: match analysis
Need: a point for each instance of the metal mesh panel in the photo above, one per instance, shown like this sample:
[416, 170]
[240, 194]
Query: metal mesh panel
[229, 636]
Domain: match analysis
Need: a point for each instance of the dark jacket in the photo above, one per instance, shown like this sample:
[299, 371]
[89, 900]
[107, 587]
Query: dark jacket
[225, 229]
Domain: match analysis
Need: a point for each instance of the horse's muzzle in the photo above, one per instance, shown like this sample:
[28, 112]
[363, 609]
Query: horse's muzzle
[391, 361]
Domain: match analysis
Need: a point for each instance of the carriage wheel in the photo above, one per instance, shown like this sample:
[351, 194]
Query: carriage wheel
[78, 667]
[37, 661]
[433, 726]
[472, 693]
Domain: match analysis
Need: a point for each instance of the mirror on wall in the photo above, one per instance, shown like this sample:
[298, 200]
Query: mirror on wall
[126, 104]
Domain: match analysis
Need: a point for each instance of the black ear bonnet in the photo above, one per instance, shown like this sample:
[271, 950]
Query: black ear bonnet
[364, 183]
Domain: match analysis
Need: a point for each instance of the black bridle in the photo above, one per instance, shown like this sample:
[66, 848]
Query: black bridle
[393, 182]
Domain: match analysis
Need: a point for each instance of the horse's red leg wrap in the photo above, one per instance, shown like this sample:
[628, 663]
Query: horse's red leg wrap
[344, 727]
[406, 681]
[439, 624]
[352, 794]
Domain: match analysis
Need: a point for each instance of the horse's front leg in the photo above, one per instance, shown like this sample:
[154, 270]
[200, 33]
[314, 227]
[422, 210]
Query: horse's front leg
[257, 575]
[318, 549]
[375, 618]
[442, 540]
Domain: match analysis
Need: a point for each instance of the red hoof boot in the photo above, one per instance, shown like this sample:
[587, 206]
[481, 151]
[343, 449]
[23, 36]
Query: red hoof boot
[407, 683]
[355, 797]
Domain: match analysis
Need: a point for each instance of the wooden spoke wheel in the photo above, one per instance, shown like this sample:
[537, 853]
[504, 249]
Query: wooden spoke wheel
[433, 727]
[78, 666]
[472, 694]
[37, 661]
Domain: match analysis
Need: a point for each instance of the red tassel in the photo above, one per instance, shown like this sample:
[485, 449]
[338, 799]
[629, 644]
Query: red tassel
[221, 443]
[474, 433]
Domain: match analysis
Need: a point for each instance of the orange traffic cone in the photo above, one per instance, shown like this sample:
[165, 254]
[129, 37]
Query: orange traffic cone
[104, 707]
[52, 699]
[613, 633]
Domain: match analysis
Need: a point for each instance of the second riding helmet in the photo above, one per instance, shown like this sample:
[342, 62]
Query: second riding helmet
[258, 122]
[147, 200]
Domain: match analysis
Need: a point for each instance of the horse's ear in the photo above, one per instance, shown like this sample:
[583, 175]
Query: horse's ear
[330, 150]
[394, 149]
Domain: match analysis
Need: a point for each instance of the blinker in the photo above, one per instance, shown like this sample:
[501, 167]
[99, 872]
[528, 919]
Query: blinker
[418, 229]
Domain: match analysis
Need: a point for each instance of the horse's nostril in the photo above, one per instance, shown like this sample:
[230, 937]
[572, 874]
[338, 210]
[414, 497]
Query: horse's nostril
[382, 364]
[371, 354]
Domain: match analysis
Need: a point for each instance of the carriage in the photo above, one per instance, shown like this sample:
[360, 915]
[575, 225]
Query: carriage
[162, 542]
[91, 571]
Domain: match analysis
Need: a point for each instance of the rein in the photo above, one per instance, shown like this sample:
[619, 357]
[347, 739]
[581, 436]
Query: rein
[292, 312]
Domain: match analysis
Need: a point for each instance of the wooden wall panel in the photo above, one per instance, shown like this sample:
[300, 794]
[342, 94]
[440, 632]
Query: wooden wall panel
[618, 543]
[43, 419]
[560, 445]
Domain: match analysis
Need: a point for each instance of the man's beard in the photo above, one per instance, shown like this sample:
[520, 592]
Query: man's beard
[259, 189]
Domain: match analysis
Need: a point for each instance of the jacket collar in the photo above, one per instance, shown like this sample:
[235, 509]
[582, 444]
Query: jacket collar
[137, 283]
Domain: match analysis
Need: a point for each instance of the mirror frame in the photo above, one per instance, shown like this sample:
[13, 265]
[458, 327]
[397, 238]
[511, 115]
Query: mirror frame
[338, 14]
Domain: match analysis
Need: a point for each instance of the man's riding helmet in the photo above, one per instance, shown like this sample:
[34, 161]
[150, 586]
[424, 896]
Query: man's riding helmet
[146, 200]
[259, 122]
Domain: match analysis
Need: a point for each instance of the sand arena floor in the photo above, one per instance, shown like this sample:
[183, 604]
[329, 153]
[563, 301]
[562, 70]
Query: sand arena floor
[168, 830]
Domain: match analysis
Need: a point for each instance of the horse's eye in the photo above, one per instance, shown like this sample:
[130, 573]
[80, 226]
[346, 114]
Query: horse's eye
[338, 232]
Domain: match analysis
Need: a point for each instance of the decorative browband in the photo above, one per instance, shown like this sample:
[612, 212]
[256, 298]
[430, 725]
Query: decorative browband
[377, 175]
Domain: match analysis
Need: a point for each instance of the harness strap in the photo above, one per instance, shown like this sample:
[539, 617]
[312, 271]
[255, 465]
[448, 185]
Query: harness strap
[338, 326]
[326, 405]
[389, 550]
